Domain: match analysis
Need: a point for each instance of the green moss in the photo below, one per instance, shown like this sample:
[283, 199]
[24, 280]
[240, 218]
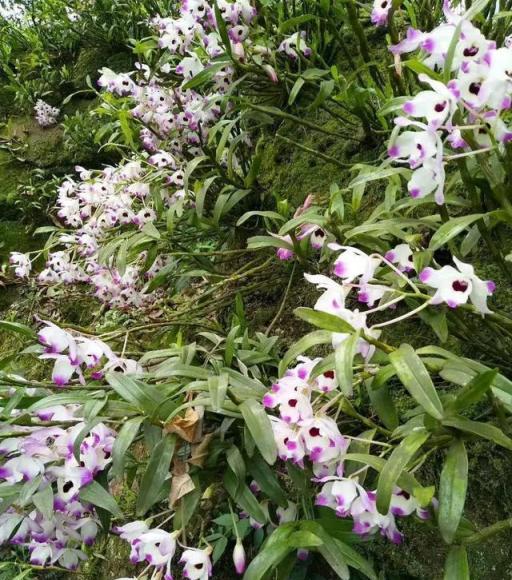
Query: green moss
[7, 103]
[13, 173]
[38, 146]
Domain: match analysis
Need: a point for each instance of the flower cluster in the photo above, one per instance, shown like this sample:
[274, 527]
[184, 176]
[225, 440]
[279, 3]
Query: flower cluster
[76, 355]
[304, 430]
[453, 285]
[46, 115]
[98, 205]
[349, 499]
[157, 547]
[46, 457]
[300, 432]
[464, 113]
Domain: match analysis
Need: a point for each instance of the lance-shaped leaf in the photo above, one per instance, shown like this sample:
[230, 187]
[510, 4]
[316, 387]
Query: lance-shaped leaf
[302, 345]
[456, 566]
[156, 473]
[415, 378]
[452, 490]
[343, 360]
[97, 495]
[395, 465]
[259, 426]
[474, 390]
[122, 443]
[243, 496]
[452, 228]
[323, 320]
[266, 478]
[484, 430]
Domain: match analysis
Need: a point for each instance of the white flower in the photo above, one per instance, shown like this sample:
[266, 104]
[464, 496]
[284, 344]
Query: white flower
[380, 12]
[22, 264]
[353, 263]
[437, 105]
[456, 286]
[197, 564]
[401, 255]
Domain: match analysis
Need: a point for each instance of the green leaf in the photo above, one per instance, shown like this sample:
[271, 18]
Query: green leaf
[383, 404]
[323, 320]
[97, 495]
[268, 242]
[355, 560]
[343, 360]
[156, 473]
[456, 566]
[414, 376]
[267, 559]
[302, 345]
[395, 465]
[43, 500]
[273, 215]
[229, 349]
[82, 434]
[237, 465]
[335, 558]
[452, 228]
[266, 478]
[223, 31]
[310, 217]
[382, 173]
[243, 496]
[452, 490]
[259, 426]
[292, 23]
[205, 75]
[484, 430]
[122, 443]
[406, 480]
[326, 89]
[18, 328]
[218, 387]
[145, 397]
[299, 83]
[474, 390]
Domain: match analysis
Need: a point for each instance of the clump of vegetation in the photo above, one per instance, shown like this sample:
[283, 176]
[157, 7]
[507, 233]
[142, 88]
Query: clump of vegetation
[262, 327]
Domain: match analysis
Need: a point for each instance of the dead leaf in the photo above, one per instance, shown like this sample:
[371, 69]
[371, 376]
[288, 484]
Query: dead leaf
[200, 452]
[180, 486]
[189, 427]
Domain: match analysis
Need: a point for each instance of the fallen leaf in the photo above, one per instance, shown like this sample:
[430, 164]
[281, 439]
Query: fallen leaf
[180, 486]
[200, 451]
[189, 427]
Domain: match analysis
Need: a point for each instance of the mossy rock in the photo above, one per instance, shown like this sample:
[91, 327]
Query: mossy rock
[39, 146]
[12, 175]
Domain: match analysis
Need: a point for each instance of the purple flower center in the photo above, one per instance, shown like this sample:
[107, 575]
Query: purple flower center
[460, 285]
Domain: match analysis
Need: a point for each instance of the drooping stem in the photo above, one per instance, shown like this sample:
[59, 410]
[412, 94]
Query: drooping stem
[488, 532]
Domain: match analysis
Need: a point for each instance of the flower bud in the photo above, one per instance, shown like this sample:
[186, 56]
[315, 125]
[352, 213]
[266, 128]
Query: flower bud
[239, 557]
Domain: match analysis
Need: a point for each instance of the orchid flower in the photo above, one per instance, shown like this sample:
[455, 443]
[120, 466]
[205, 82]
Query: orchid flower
[455, 286]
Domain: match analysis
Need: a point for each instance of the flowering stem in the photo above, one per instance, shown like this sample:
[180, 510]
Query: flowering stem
[326, 158]
[283, 302]
[235, 526]
[467, 154]
[488, 532]
[403, 317]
